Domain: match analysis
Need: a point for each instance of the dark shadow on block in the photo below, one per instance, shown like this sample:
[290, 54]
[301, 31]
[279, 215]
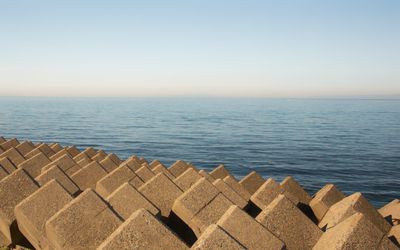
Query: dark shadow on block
[181, 229]
[394, 240]
[18, 238]
[306, 209]
[252, 209]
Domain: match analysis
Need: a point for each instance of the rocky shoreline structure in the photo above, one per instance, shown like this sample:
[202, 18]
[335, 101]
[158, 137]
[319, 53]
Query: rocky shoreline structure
[56, 197]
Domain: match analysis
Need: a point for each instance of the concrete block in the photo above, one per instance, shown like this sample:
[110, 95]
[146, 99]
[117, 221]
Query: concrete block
[349, 206]
[46, 149]
[145, 173]
[83, 223]
[204, 173]
[56, 147]
[55, 173]
[229, 193]
[32, 153]
[2, 139]
[162, 169]
[99, 156]
[115, 159]
[394, 234]
[73, 151]
[162, 192]
[294, 188]
[66, 163]
[355, 232]
[235, 185]
[33, 166]
[11, 143]
[13, 155]
[108, 164]
[391, 211]
[247, 231]
[14, 189]
[216, 238]
[142, 231]
[3, 173]
[252, 182]
[109, 183]
[154, 164]
[7, 165]
[132, 163]
[324, 199]
[88, 176]
[220, 172]
[127, 199]
[82, 163]
[81, 156]
[91, 152]
[178, 168]
[33, 212]
[60, 153]
[282, 218]
[187, 179]
[25, 147]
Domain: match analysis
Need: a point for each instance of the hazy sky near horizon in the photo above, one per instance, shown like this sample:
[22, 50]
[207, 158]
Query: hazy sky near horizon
[234, 48]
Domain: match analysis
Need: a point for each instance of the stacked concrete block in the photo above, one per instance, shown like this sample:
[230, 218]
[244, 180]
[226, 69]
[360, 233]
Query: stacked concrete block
[235, 185]
[293, 187]
[13, 189]
[7, 165]
[13, 155]
[220, 172]
[349, 206]
[59, 154]
[25, 147]
[126, 200]
[206, 175]
[99, 156]
[154, 163]
[56, 173]
[84, 223]
[132, 163]
[247, 231]
[73, 151]
[252, 182]
[282, 218]
[394, 235]
[88, 176]
[162, 192]
[115, 159]
[215, 237]
[2, 139]
[45, 149]
[3, 173]
[142, 231]
[11, 143]
[90, 152]
[33, 166]
[145, 173]
[33, 212]
[201, 205]
[108, 164]
[355, 232]
[160, 168]
[324, 199]
[391, 211]
[82, 156]
[178, 168]
[66, 163]
[56, 147]
[229, 193]
[187, 179]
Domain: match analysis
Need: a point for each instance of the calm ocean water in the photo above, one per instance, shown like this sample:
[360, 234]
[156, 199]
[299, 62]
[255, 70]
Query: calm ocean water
[354, 144]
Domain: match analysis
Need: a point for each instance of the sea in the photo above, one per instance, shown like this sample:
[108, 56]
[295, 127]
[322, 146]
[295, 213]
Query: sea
[352, 143]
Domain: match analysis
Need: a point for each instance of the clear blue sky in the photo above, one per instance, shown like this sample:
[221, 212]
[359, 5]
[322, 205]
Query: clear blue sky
[212, 48]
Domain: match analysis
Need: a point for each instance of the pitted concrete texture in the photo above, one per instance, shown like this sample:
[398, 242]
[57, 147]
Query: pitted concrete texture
[204, 173]
[56, 147]
[13, 189]
[7, 165]
[252, 182]
[282, 218]
[178, 168]
[66, 163]
[115, 159]
[215, 237]
[235, 185]
[160, 168]
[293, 187]
[45, 149]
[324, 199]
[355, 232]
[349, 206]
[132, 163]
[55, 173]
[84, 162]
[84, 223]
[145, 173]
[88, 176]
[81, 156]
[391, 211]
[33, 166]
[220, 172]
[3, 173]
[99, 156]
[266, 193]
[229, 193]
[90, 152]
[73, 151]
[11, 143]
[142, 231]
[187, 179]
[60, 153]
[33, 212]
[247, 231]
[109, 183]
[13, 155]
[25, 147]
[127, 199]
[162, 192]
[108, 164]
[154, 163]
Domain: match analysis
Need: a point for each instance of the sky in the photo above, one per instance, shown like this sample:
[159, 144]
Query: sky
[269, 49]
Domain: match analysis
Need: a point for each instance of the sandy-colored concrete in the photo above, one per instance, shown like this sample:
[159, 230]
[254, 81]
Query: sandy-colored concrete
[11, 143]
[127, 199]
[45, 149]
[33, 166]
[83, 223]
[235, 185]
[355, 232]
[145, 173]
[349, 206]
[56, 147]
[66, 163]
[73, 151]
[13, 189]
[99, 156]
[162, 192]
[132, 163]
[252, 182]
[88, 176]
[293, 187]
[282, 218]
[3, 173]
[324, 199]
[142, 231]
[25, 147]
[55, 173]
[187, 179]
[115, 159]
[229, 193]
[109, 183]
[178, 167]
[90, 152]
[83, 162]
[108, 164]
[60, 153]
[13, 155]
[247, 231]
[205, 174]
[81, 156]
[220, 172]
[154, 163]
[160, 168]
[391, 211]
[7, 165]
[33, 212]
[394, 234]
[266, 193]
[214, 238]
